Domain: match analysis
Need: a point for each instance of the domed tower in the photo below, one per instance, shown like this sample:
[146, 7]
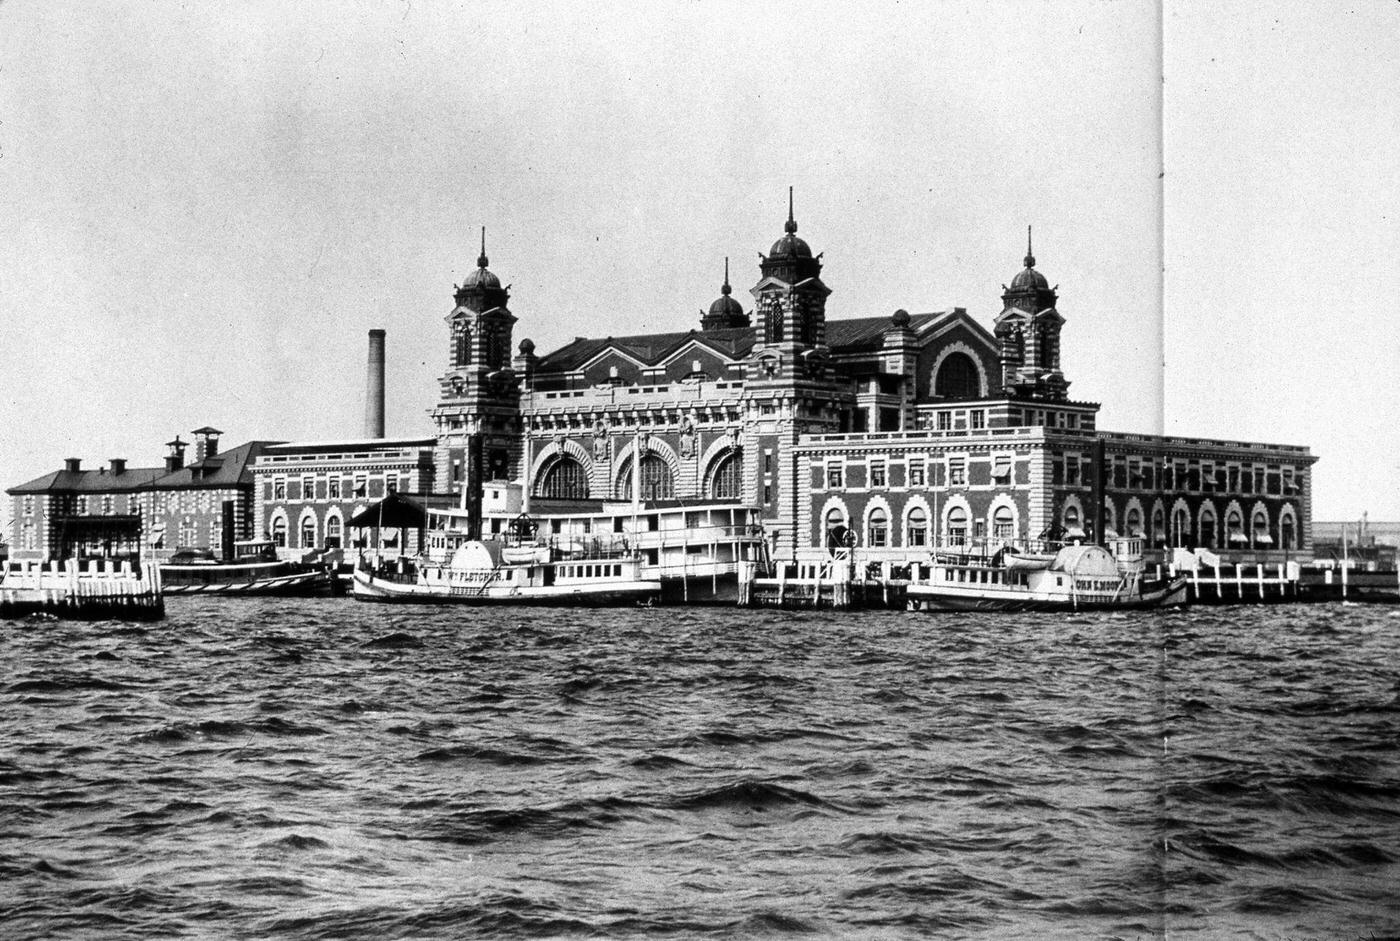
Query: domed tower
[479, 404]
[1028, 332]
[791, 305]
[725, 312]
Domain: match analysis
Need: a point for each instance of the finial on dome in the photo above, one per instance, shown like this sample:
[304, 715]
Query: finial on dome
[1030, 258]
[481, 259]
[726, 290]
[791, 225]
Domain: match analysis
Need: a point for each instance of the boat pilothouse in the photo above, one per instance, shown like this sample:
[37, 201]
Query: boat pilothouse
[574, 552]
[1043, 576]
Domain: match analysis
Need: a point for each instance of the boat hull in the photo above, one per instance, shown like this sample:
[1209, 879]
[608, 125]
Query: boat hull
[294, 584]
[939, 598]
[606, 594]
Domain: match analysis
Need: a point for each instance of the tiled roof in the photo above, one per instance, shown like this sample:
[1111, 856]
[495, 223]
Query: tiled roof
[225, 469]
[868, 333]
[91, 481]
[650, 348]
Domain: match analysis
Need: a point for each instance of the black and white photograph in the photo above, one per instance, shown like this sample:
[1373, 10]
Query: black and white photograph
[699, 470]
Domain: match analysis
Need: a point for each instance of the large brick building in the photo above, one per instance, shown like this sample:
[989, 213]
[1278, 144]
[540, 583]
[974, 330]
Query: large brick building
[908, 429]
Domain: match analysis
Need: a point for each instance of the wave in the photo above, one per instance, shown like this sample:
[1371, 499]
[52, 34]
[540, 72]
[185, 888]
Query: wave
[750, 795]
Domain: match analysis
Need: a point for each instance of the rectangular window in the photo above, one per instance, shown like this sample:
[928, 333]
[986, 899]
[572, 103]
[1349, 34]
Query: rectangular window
[82, 506]
[391, 485]
[361, 485]
[945, 421]
[835, 476]
[916, 474]
[1057, 471]
[957, 472]
[877, 473]
[279, 489]
[333, 488]
[768, 462]
[1234, 481]
[767, 494]
[108, 506]
[979, 419]
[28, 506]
[308, 487]
[1001, 468]
[403, 483]
[1072, 470]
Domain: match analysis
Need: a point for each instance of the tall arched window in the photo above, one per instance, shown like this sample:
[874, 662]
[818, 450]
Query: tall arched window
[461, 345]
[916, 527]
[308, 532]
[1261, 529]
[1074, 526]
[877, 528]
[1159, 526]
[1181, 527]
[565, 479]
[957, 526]
[1208, 529]
[1003, 524]
[1133, 522]
[657, 483]
[727, 480]
[1234, 525]
[1286, 532]
[957, 378]
[279, 532]
[333, 531]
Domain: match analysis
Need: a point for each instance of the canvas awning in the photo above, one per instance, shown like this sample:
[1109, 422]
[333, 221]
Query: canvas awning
[1264, 539]
[393, 512]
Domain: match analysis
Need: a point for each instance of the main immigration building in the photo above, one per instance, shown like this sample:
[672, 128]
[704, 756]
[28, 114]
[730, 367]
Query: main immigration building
[908, 429]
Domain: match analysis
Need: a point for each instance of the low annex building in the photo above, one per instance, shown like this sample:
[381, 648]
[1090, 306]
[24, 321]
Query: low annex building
[128, 512]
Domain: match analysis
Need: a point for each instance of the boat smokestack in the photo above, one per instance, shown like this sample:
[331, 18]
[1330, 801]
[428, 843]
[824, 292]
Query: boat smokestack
[473, 489]
[374, 390]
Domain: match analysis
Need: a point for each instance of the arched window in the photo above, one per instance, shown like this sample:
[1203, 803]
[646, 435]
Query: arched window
[1208, 527]
[333, 530]
[1073, 525]
[957, 378]
[1133, 522]
[727, 481]
[461, 345]
[877, 528]
[1181, 527]
[1286, 531]
[1003, 524]
[565, 479]
[957, 526]
[657, 483]
[1261, 529]
[916, 527]
[1110, 521]
[1234, 525]
[279, 532]
[308, 532]
[1159, 526]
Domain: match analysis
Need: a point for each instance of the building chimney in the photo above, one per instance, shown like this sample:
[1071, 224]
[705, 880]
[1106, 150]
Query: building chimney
[374, 390]
[206, 443]
[118, 466]
[72, 464]
[175, 457]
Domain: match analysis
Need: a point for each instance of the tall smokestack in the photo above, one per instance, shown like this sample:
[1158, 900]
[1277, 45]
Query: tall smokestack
[374, 391]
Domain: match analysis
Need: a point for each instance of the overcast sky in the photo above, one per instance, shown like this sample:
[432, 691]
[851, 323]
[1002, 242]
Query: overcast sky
[204, 207]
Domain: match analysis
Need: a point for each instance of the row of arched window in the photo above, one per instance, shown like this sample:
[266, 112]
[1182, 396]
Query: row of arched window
[958, 526]
[1209, 531]
[307, 533]
[565, 478]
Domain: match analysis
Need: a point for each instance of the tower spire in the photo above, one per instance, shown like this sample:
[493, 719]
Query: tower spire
[481, 259]
[1030, 257]
[726, 290]
[791, 225]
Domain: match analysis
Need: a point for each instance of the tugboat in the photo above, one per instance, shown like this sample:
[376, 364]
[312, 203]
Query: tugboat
[1071, 578]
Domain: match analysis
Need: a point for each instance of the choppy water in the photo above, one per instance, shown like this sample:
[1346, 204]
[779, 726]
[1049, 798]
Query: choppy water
[324, 769]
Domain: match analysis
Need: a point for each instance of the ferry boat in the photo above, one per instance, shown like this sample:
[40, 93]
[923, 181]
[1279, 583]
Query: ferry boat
[1076, 577]
[571, 553]
[254, 570]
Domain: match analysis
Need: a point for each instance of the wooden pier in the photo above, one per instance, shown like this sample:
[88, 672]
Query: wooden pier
[98, 591]
[1214, 582]
[827, 583]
